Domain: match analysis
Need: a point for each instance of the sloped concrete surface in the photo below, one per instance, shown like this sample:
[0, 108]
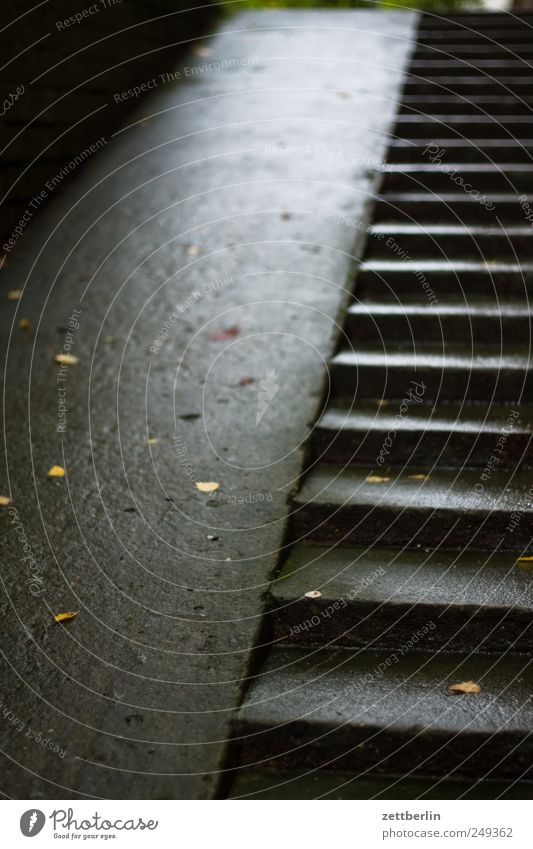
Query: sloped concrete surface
[228, 205]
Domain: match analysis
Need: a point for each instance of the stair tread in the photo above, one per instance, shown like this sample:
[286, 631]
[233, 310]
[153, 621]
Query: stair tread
[462, 417]
[450, 308]
[337, 488]
[454, 357]
[340, 689]
[384, 576]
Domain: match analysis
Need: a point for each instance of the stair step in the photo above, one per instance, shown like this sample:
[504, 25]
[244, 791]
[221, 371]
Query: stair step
[442, 104]
[383, 506]
[447, 208]
[378, 598]
[371, 711]
[453, 126]
[471, 150]
[473, 52]
[506, 178]
[495, 67]
[435, 281]
[420, 434]
[470, 85]
[413, 324]
[453, 374]
[293, 784]
[437, 241]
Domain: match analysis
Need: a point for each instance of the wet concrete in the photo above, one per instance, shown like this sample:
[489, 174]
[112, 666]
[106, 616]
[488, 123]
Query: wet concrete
[214, 205]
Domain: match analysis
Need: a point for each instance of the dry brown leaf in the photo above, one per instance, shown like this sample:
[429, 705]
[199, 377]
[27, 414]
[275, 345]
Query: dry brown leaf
[66, 359]
[207, 486]
[56, 472]
[5, 500]
[63, 617]
[14, 294]
[313, 594]
[24, 324]
[381, 402]
[377, 479]
[465, 687]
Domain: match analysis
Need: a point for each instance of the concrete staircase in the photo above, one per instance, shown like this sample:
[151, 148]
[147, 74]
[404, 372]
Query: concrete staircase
[408, 570]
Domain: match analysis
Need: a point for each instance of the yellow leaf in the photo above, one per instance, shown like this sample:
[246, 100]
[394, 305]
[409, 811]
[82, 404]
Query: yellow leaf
[63, 617]
[14, 294]
[5, 500]
[153, 440]
[417, 477]
[56, 472]
[207, 486]
[66, 359]
[313, 594]
[24, 324]
[465, 687]
[376, 479]
[525, 559]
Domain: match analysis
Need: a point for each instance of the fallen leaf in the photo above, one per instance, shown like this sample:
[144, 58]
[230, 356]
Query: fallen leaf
[224, 335]
[24, 324]
[203, 51]
[63, 617]
[525, 563]
[245, 381]
[465, 687]
[14, 294]
[376, 479]
[110, 340]
[527, 559]
[381, 402]
[207, 486]
[56, 472]
[193, 250]
[66, 359]
[153, 440]
[5, 500]
[313, 594]
[285, 216]
[417, 477]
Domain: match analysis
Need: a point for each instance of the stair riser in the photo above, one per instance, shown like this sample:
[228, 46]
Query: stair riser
[484, 68]
[473, 153]
[489, 128]
[476, 247]
[469, 87]
[393, 285]
[452, 383]
[418, 447]
[440, 181]
[390, 626]
[362, 525]
[473, 52]
[310, 746]
[440, 212]
[410, 331]
[432, 106]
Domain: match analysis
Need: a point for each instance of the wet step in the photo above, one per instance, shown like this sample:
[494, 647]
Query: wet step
[472, 52]
[454, 104]
[414, 507]
[450, 66]
[450, 374]
[471, 150]
[413, 325]
[379, 597]
[369, 711]
[506, 178]
[293, 784]
[410, 432]
[468, 85]
[433, 281]
[429, 241]
[452, 126]
[449, 208]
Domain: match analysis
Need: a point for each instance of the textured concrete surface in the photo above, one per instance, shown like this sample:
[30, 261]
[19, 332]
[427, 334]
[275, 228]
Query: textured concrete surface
[224, 205]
